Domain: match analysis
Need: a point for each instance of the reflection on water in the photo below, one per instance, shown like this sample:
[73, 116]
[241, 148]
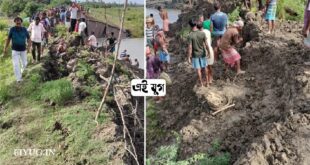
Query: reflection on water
[134, 47]
[173, 15]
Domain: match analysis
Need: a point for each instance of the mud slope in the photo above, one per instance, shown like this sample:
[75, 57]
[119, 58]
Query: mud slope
[269, 123]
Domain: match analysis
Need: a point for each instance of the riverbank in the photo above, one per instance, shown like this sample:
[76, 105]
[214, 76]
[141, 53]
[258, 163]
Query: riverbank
[134, 21]
[55, 106]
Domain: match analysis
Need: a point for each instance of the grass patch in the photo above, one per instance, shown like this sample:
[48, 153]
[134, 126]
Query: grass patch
[296, 5]
[153, 132]
[169, 155]
[134, 19]
[84, 70]
[58, 91]
[33, 126]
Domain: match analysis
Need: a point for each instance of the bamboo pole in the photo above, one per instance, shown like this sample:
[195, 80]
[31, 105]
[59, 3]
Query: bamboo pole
[115, 58]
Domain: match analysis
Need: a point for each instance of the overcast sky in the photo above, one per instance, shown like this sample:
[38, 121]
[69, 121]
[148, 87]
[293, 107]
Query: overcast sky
[121, 1]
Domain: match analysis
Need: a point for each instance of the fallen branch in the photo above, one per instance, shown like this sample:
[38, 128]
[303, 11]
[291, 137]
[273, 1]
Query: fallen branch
[113, 69]
[223, 109]
[126, 131]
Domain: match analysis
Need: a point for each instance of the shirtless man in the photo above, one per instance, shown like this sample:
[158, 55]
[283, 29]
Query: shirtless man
[164, 16]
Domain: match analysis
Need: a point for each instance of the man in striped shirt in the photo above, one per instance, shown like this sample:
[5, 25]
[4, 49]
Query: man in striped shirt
[149, 32]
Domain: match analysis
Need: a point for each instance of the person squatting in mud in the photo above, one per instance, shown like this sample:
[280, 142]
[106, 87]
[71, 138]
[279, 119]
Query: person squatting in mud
[227, 46]
[198, 51]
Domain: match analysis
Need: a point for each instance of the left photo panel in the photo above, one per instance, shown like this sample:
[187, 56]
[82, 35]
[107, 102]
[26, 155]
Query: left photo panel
[65, 73]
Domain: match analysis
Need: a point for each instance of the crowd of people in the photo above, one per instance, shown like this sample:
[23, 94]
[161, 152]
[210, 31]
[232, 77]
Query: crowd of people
[210, 36]
[42, 26]
[157, 54]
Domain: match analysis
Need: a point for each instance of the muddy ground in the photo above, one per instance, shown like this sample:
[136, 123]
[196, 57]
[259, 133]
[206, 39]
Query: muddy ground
[270, 122]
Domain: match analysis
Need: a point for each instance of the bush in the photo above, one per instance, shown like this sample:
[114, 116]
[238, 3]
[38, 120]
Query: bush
[4, 93]
[233, 16]
[11, 8]
[84, 70]
[296, 5]
[61, 30]
[31, 8]
[58, 91]
[3, 37]
[56, 3]
[4, 24]
[26, 24]
[168, 155]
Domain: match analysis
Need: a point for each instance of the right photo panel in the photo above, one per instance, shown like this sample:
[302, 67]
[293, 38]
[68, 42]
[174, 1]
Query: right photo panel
[237, 74]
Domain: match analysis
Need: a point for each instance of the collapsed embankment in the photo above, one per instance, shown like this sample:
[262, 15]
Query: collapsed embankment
[55, 107]
[91, 71]
[269, 123]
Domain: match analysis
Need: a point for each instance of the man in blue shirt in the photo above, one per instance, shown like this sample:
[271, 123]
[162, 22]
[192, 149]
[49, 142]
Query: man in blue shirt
[218, 24]
[18, 35]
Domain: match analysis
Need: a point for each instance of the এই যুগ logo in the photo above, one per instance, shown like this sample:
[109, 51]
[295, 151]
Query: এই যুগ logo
[148, 87]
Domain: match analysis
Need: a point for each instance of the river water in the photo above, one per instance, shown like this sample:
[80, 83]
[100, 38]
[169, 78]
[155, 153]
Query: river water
[134, 47]
[173, 15]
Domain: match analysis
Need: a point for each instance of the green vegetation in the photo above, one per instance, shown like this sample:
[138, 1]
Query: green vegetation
[3, 26]
[233, 16]
[58, 91]
[169, 155]
[61, 30]
[183, 33]
[152, 122]
[134, 19]
[56, 3]
[296, 5]
[31, 7]
[27, 121]
[10, 7]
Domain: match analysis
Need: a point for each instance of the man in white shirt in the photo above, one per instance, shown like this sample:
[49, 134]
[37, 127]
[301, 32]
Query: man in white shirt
[74, 12]
[37, 30]
[82, 27]
[92, 41]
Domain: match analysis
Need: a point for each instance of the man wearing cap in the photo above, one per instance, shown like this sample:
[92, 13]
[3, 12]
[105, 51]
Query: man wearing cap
[18, 35]
[227, 46]
[37, 30]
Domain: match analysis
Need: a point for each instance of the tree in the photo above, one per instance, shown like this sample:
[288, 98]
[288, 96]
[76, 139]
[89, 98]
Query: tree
[31, 8]
[11, 8]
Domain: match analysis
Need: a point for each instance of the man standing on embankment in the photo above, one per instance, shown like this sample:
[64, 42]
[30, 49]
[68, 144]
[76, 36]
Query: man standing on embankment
[18, 35]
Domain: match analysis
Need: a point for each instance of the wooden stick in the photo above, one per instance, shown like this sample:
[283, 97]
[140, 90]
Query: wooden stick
[115, 58]
[223, 109]
[125, 130]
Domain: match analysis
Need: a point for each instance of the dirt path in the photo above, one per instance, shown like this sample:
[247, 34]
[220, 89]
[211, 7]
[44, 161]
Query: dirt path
[269, 122]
